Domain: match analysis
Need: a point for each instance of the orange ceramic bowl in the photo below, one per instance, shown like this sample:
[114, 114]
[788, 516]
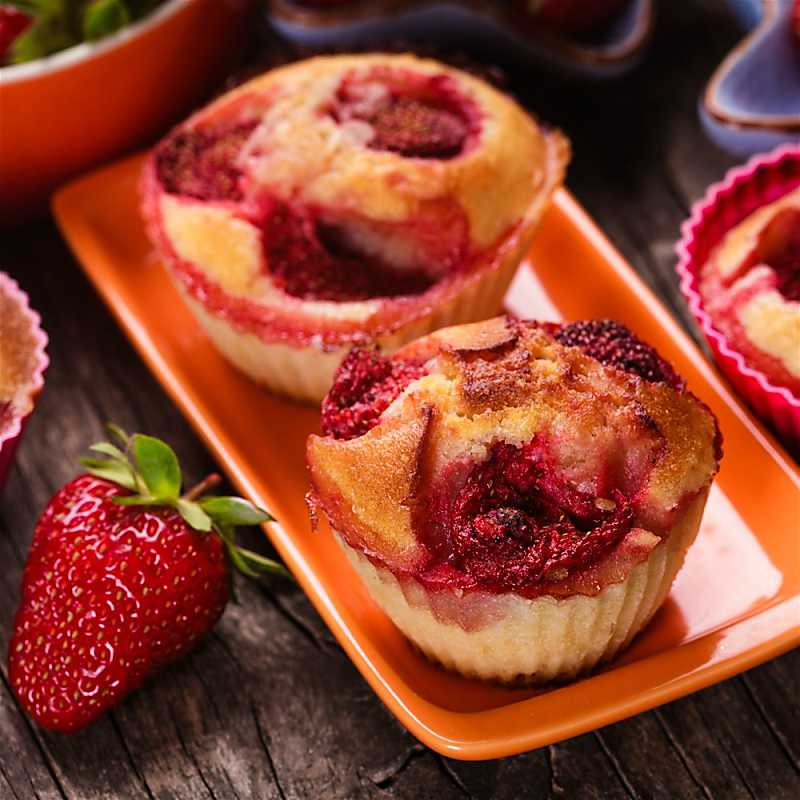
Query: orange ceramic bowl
[87, 104]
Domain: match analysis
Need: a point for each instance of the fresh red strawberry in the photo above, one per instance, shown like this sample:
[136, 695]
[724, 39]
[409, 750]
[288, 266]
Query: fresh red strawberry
[124, 575]
[12, 23]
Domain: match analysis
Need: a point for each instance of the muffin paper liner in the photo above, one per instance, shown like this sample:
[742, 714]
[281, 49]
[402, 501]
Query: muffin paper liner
[11, 434]
[762, 180]
[529, 641]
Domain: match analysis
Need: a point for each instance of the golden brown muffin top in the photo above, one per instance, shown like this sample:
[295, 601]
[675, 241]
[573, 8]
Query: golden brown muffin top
[585, 417]
[397, 174]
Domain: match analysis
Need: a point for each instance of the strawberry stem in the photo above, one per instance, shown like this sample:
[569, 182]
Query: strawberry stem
[209, 482]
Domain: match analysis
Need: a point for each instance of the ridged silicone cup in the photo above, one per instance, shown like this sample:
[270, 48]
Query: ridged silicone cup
[11, 431]
[744, 189]
[529, 641]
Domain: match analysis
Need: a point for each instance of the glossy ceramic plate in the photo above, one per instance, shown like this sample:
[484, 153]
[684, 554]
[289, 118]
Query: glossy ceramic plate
[735, 603]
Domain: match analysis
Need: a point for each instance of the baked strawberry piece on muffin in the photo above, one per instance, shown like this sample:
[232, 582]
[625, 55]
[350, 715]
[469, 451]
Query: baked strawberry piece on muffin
[750, 287]
[517, 496]
[346, 200]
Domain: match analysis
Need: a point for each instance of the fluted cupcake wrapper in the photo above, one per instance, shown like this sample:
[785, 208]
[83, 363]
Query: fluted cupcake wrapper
[527, 641]
[762, 180]
[11, 433]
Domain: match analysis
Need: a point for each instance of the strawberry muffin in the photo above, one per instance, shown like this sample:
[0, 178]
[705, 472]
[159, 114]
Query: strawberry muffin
[517, 496]
[750, 287]
[346, 200]
[22, 364]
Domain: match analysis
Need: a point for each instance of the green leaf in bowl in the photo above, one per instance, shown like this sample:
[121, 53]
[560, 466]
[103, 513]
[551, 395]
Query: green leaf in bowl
[104, 17]
[44, 36]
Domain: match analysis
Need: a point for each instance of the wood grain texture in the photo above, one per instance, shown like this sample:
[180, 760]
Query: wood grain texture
[268, 706]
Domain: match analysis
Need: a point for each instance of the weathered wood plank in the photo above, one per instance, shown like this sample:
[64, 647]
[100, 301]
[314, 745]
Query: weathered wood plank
[774, 690]
[734, 723]
[25, 772]
[577, 768]
[662, 774]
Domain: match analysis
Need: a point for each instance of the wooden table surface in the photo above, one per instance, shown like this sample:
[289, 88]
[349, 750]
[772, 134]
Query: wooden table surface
[268, 706]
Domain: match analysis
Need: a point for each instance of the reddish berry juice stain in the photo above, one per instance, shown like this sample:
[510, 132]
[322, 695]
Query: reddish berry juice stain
[413, 115]
[414, 128]
[304, 257]
[514, 521]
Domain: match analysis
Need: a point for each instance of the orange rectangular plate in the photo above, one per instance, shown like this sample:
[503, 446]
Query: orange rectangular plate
[735, 603]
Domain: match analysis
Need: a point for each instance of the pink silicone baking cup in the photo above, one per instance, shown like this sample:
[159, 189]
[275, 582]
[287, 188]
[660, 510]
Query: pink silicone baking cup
[762, 180]
[11, 431]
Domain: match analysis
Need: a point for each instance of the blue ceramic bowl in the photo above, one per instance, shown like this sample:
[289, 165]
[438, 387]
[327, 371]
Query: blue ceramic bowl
[479, 27]
[752, 102]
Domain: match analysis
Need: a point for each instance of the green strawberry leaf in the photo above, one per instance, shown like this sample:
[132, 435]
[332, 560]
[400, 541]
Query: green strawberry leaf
[115, 471]
[193, 514]
[108, 449]
[256, 564]
[234, 511]
[158, 466]
[149, 468]
[137, 500]
[246, 561]
[104, 17]
[238, 561]
[118, 433]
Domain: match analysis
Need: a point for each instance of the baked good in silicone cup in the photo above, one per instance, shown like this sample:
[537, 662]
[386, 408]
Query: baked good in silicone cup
[517, 496]
[750, 286]
[22, 364]
[346, 200]
[740, 269]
